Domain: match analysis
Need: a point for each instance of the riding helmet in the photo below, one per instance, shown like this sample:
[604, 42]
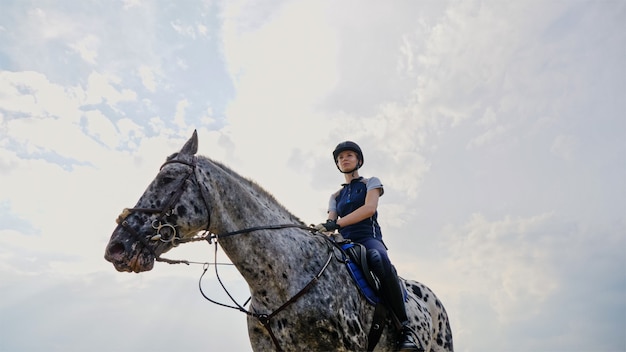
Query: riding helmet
[348, 145]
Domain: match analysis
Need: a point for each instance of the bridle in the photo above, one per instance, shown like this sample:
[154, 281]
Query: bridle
[164, 231]
[167, 233]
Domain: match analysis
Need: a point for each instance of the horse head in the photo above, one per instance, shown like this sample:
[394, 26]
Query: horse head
[173, 208]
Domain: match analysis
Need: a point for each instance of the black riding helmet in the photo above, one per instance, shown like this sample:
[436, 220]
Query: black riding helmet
[348, 145]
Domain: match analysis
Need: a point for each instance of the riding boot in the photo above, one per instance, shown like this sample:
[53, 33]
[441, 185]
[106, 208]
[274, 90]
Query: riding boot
[406, 341]
[394, 298]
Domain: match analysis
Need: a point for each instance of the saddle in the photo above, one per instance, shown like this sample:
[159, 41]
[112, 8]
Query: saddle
[357, 265]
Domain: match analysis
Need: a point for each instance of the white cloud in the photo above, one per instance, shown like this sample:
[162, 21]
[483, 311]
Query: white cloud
[207, 119]
[102, 128]
[293, 54]
[50, 24]
[87, 48]
[101, 88]
[179, 117]
[128, 127]
[189, 30]
[497, 256]
[46, 118]
[131, 3]
[202, 29]
[489, 117]
[497, 270]
[31, 94]
[8, 158]
[488, 136]
[147, 76]
[182, 64]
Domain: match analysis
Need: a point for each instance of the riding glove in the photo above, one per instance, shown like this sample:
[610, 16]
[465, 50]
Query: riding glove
[328, 226]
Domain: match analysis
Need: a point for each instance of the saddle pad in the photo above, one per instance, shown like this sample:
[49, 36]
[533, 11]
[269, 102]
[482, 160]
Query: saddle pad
[359, 278]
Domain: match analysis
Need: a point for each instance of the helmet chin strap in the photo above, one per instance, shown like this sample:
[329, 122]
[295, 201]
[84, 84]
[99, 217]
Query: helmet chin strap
[358, 166]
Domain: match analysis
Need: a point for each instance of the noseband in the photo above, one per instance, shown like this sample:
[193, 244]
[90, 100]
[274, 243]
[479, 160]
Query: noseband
[164, 231]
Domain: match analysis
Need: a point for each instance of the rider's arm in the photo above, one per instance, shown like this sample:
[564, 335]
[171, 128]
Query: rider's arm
[365, 211]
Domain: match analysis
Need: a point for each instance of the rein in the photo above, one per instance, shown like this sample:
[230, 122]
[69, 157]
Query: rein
[167, 233]
[264, 318]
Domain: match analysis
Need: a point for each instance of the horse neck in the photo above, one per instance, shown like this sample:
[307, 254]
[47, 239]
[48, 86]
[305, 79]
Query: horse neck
[263, 257]
[237, 203]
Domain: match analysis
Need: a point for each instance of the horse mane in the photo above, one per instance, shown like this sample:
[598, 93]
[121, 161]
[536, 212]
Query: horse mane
[252, 184]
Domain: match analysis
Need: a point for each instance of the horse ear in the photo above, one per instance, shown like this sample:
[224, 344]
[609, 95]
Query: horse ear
[191, 147]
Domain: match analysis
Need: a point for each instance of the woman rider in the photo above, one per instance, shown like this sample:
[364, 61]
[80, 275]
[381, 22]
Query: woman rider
[353, 211]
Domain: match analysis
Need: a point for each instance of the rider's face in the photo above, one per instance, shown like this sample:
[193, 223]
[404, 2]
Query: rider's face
[347, 160]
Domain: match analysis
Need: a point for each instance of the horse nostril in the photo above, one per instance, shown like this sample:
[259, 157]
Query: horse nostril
[115, 251]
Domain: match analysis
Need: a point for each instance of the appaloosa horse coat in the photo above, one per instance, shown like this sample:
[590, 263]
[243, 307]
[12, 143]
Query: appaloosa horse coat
[302, 296]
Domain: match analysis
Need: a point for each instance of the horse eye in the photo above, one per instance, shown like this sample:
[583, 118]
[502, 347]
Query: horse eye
[165, 180]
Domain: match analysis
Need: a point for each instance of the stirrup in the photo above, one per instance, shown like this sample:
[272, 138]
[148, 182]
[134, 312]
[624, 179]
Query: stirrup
[407, 343]
[408, 346]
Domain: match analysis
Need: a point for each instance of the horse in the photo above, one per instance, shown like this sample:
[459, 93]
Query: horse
[300, 296]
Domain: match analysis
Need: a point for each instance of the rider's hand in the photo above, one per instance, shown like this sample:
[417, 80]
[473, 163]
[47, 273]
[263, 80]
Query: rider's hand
[328, 226]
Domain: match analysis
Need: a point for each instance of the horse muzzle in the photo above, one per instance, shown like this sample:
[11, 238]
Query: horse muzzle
[128, 255]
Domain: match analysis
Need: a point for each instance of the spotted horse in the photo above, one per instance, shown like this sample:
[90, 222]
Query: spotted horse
[296, 303]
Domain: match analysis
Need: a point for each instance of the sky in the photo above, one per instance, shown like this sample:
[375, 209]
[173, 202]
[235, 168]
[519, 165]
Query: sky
[498, 129]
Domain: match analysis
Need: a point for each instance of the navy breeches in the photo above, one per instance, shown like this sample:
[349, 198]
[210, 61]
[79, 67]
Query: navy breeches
[382, 265]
